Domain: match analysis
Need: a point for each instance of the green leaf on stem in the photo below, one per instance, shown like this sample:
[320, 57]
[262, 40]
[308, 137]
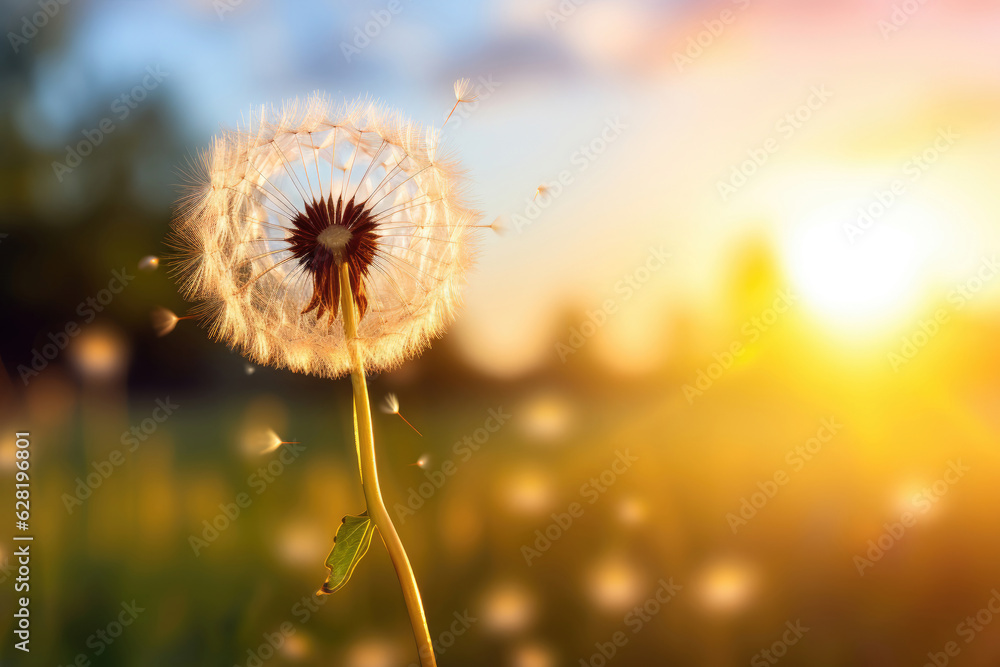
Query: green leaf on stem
[349, 546]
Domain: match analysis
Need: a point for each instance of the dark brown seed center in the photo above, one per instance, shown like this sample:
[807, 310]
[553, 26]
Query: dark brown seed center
[328, 234]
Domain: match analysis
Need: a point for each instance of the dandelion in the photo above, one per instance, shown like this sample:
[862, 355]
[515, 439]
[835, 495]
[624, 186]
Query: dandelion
[330, 241]
[463, 95]
[165, 320]
[392, 407]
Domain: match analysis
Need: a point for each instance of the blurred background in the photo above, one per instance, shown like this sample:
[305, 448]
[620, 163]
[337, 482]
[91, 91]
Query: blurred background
[744, 315]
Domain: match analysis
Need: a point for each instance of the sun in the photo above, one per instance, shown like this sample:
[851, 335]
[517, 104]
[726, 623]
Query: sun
[859, 282]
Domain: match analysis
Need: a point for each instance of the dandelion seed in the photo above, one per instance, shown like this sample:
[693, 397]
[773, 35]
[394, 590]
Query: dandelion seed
[149, 263]
[249, 369]
[463, 95]
[499, 226]
[164, 320]
[541, 190]
[272, 441]
[392, 407]
[422, 462]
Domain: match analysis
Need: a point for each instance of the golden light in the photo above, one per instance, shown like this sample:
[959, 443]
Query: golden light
[373, 653]
[100, 353]
[528, 491]
[633, 343]
[614, 584]
[632, 511]
[533, 655]
[149, 263]
[507, 608]
[547, 416]
[860, 281]
[299, 544]
[7, 456]
[726, 585]
[297, 646]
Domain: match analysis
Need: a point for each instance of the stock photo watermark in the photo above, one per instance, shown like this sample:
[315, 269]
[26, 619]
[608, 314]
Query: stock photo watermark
[365, 33]
[590, 491]
[625, 289]
[121, 107]
[923, 502]
[779, 649]
[303, 611]
[751, 330]
[58, 341]
[562, 12]
[900, 15]
[31, 24]
[258, 482]
[635, 620]
[447, 638]
[913, 170]
[103, 469]
[462, 451]
[970, 628]
[927, 329]
[581, 159]
[102, 638]
[786, 128]
[796, 458]
[712, 30]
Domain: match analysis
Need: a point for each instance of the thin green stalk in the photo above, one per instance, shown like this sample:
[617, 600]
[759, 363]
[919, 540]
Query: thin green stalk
[369, 479]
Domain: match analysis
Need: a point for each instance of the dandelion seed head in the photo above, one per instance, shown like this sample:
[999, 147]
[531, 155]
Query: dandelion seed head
[391, 404]
[163, 320]
[281, 203]
[499, 226]
[464, 92]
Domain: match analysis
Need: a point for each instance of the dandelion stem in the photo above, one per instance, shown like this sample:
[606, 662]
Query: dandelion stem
[369, 478]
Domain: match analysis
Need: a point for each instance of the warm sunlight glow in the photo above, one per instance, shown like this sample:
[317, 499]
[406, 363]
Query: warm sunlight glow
[858, 282]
